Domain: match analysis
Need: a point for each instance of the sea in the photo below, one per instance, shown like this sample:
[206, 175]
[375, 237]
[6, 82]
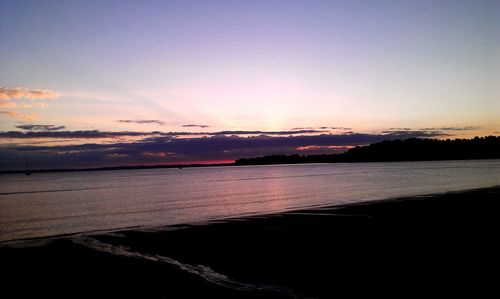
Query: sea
[83, 202]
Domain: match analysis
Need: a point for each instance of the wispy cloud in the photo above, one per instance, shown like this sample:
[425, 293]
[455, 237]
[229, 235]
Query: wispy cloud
[90, 134]
[116, 155]
[334, 128]
[142, 121]
[302, 128]
[242, 132]
[21, 116]
[44, 132]
[466, 128]
[195, 126]
[157, 154]
[437, 130]
[32, 94]
[7, 95]
[91, 96]
[324, 147]
[7, 105]
[41, 127]
[409, 129]
[34, 105]
[322, 128]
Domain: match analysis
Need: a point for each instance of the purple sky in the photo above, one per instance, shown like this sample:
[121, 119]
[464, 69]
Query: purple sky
[355, 67]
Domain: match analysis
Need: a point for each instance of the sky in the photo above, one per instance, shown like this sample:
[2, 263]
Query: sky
[100, 83]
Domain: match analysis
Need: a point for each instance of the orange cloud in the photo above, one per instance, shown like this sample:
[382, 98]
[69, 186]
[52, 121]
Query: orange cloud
[323, 147]
[35, 105]
[157, 154]
[7, 94]
[5, 104]
[16, 93]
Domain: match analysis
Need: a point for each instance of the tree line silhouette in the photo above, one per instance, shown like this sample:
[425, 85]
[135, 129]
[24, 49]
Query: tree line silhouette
[412, 149]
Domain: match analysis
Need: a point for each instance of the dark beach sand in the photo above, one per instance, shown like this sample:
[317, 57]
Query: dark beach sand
[432, 245]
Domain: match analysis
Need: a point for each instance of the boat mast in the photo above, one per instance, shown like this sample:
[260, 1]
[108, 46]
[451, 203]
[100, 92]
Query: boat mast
[26, 172]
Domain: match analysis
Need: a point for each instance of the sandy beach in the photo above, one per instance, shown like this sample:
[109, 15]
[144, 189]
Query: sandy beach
[444, 243]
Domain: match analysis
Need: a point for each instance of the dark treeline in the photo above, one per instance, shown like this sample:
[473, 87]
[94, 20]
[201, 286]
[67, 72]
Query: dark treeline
[396, 150]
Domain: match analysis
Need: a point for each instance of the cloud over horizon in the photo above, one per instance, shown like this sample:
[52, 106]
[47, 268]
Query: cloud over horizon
[195, 126]
[50, 146]
[466, 128]
[161, 148]
[142, 121]
[40, 127]
[321, 128]
[91, 134]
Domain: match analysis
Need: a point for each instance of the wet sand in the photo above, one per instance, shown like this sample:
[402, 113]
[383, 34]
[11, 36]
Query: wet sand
[439, 244]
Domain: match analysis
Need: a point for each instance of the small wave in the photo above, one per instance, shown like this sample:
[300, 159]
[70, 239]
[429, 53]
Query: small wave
[199, 270]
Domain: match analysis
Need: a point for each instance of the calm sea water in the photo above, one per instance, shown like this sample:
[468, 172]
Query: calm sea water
[51, 204]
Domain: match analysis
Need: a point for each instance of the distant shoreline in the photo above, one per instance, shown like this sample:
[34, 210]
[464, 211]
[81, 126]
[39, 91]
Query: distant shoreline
[181, 166]
[115, 168]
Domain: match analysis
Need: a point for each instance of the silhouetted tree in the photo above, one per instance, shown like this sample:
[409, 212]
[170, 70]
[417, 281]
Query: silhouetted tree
[412, 149]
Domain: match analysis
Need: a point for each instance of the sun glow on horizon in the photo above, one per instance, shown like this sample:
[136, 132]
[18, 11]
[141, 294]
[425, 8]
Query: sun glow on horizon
[239, 78]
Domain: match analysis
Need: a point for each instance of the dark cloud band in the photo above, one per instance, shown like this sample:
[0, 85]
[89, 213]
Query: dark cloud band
[142, 121]
[157, 147]
[195, 126]
[40, 127]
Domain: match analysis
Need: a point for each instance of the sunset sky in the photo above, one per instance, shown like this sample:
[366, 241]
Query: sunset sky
[100, 83]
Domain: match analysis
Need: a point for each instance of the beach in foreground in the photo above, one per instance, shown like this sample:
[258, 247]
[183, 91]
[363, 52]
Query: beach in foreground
[440, 243]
